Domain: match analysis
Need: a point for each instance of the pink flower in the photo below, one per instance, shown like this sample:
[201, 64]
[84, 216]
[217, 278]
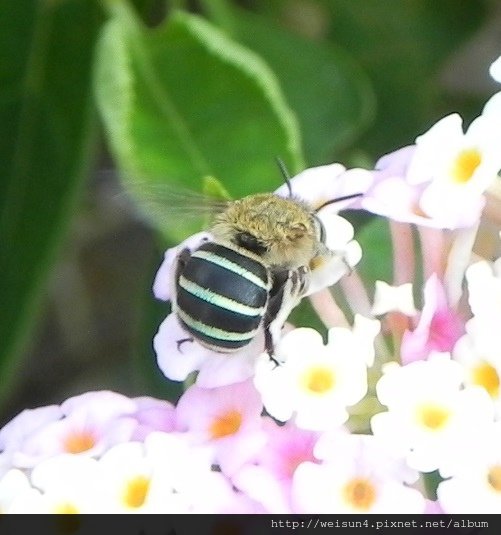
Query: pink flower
[268, 478]
[90, 424]
[14, 433]
[433, 508]
[438, 329]
[153, 415]
[27, 423]
[227, 419]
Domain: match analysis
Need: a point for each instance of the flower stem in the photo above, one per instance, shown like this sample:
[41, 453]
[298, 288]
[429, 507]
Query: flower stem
[432, 251]
[403, 253]
[327, 309]
[356, 294]
[457, 261]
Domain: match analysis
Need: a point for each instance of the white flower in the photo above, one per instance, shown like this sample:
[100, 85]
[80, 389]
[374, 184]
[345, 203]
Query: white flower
[134, 484]
[495, 70]
[461, 165]
[188, 470]
[429, 412]
[326, 271]
[69, 484]
[482, 367]
[492, 108]
[358, 475]
[475, 487]
[318, 185]
[163, 286]
[484, 289]
[316, 382]
[393, 299]
[163, 475]
[15, 489]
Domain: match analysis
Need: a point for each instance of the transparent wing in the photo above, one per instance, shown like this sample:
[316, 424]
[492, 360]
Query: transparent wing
[174, 210]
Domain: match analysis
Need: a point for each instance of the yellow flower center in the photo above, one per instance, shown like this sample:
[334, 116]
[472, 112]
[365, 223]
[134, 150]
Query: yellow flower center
[494, 477]
[136, 491]
[433, 417]
[318, 380]
[359, 493]
[465, 165]
[79, 441]
[226, 424]
[486, 375]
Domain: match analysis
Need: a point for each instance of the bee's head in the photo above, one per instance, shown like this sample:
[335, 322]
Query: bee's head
[283, 232]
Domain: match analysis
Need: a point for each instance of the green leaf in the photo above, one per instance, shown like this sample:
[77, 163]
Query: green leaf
[376, 264]
[304, 316]
[403, 45]
[327, 89]
[431, 481]
[45, 142]
[183, 101]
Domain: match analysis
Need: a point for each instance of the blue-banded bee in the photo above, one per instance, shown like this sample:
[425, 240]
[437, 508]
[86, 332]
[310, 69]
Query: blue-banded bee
[252, 274]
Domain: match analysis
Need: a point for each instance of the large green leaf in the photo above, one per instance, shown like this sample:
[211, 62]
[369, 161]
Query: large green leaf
[329, 92]
[45, 123]
[375, 240]
[403, 45]
[183, 101]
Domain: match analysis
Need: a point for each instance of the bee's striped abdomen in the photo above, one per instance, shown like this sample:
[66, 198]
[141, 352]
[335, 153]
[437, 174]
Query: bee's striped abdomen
[221, 296]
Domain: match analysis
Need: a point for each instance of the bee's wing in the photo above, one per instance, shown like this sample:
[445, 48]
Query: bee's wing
[176, 211]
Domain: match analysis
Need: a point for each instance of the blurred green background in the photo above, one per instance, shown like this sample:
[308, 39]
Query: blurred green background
[170, 93]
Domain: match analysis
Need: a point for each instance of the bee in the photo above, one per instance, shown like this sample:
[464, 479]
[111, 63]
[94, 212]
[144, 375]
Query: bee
[252, 274]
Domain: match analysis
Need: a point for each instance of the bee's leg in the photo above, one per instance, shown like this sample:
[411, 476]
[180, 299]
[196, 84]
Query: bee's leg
[269, 346]
[285, 294]
[180, 343]
[272, 321]
[181, 261]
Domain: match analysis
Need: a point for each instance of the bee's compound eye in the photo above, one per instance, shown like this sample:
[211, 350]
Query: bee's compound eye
[250, 242]
[319, 229]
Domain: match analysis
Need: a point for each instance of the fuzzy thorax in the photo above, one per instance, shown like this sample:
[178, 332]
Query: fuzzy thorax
[281, 231]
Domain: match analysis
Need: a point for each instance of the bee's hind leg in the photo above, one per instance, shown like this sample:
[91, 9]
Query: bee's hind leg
[269, 346]
[180, 343]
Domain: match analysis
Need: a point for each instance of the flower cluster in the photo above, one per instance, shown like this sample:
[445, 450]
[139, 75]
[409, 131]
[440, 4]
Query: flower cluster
[397, 409]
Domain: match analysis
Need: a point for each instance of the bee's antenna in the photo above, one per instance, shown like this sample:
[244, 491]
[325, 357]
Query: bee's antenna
[285, 174]
[339, 199]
